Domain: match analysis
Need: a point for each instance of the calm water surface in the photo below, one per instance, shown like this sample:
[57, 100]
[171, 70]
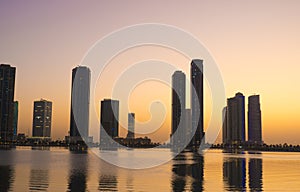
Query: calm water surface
[55, 169]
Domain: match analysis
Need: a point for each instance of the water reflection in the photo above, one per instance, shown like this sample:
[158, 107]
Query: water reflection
[6, 177]
[234, 174]
[188, 172]
[255, 174]
[78, 172]
[108, 180]
[39, 180]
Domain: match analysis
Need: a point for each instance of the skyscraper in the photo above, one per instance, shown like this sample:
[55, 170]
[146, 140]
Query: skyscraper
[178, 110]
[42, 116]
[197, 101]
[131, 122]
[109, 121]
[15, 122]
[254, 120]
[188, 126]
[80, 100]
[7, 90]
[224, 126]
[236, 119]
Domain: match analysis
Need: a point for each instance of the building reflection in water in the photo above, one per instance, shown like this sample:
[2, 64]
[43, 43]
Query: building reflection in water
[108, 180]
[6, 177]
[187, 172]
[39, 179]
[234, 174]
[255, 174]
[78, 172]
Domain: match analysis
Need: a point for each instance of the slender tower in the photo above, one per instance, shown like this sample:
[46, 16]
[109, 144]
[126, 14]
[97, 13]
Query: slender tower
[131, 122]
[254, 120]
[197, 101]
[80, 100]
[178, 111]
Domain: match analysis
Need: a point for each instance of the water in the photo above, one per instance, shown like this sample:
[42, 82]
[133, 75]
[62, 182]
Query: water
[56, 169]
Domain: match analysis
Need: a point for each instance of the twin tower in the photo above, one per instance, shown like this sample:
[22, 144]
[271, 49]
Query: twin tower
[187, 124]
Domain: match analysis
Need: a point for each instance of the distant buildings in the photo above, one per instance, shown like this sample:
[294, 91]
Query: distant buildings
[109, 128]
[197, 101]
[7, 90]
[131, 124]
[178, 111]
[15, 122]
[80, 99]
[234, 121]
[42, 117]
[254, 120]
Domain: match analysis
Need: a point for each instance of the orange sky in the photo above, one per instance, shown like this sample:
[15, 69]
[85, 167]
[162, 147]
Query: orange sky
[256, 45]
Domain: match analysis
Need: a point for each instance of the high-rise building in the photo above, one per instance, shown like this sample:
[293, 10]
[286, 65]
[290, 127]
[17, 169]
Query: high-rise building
[224, 126]
[236, 119]
[254, 120]
[7, 90]
[109, 127]
[15, 122]
[188, 126]
[42, 116]
[80, 100]
[178, 111]
[197, 101]
[131, 122]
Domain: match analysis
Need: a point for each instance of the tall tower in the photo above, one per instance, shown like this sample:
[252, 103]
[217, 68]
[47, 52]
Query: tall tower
[131, 122]
[236, 119]
[197, 101]
[42, 116]
[178, 110]
[109, 121]
[80, 100]
[254, 120]
[225, 132]
[16, 117]
[7, 90]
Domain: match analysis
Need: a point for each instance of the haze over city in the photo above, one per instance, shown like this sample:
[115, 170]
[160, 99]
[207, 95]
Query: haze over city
[256, 46]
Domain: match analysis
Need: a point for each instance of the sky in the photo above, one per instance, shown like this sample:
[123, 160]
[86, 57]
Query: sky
[256, 45]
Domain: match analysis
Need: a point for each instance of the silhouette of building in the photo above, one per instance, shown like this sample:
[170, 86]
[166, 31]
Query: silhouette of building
[7, 90]
[188, 126]
[109, 127]
[42, 116]
[236, 119]
[15, 122]
[178, 111]
[224, 126]
[80, 99]
[254, 120]
[131, 123]
[197, 101]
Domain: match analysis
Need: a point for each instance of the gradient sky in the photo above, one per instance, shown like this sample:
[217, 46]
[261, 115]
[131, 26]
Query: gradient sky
[255, 43]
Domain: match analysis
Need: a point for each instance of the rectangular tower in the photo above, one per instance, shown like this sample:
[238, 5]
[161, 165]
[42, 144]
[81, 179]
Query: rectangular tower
[80, 100]
[109, 119]
[178, 110]
[42, 116]
[15, 122]
[236, 119]
[131, 123]
[7, 90]
[254, 120]
[197, 101]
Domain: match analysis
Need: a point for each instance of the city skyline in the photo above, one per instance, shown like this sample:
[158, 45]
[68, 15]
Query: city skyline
[249, 59]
